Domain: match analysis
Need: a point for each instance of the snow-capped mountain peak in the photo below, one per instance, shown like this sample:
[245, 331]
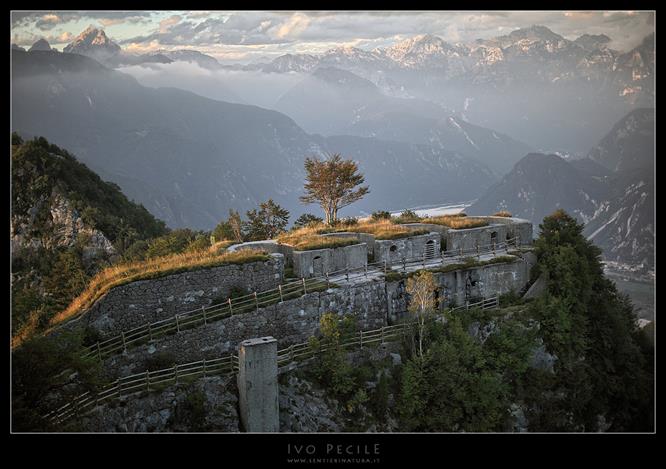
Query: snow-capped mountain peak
[92, 41]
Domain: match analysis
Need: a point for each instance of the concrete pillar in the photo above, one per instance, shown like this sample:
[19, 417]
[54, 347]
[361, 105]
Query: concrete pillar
[258, 385]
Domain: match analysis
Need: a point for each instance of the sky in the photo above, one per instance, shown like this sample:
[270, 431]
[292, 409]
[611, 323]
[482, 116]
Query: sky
[247, 36]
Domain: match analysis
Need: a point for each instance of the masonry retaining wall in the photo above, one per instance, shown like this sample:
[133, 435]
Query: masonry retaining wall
[414, 247]
[317, 262]
[144, 301]
[457, 286]
[292, 321]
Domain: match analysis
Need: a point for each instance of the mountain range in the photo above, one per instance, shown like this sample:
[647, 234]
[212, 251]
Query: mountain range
[189, 159]
[611, 190]
[552, 93]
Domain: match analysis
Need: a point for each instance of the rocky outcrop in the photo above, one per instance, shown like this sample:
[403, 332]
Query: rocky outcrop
[305, 409]
[208, 404]
[64, 226]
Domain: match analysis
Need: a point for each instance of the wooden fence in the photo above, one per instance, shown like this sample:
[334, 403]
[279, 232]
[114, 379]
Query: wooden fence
[254, 301]
[228, 364]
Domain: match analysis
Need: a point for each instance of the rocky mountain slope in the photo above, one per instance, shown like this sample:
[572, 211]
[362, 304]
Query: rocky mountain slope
[538, 185]
[630, 144]
[66, 224]
[611, 191]
[507, 82]
[356, 106]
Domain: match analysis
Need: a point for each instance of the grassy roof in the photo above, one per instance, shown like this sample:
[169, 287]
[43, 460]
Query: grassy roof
[122, 274]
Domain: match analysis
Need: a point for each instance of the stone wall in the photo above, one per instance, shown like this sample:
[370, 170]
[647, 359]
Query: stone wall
[293, 321]
[145, 301]
[414, 247]
[318, 262]
[470, 238]
[269, 245]
[457, 286]
[366, 238]
[516, 227]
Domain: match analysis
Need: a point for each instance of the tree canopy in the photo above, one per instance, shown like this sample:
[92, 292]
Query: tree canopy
[333, 183]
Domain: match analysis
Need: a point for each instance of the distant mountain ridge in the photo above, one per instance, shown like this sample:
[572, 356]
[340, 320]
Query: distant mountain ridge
[355, 106]
[611, 191]
[189, 159]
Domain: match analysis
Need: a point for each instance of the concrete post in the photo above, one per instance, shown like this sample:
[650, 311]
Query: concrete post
[258, 385]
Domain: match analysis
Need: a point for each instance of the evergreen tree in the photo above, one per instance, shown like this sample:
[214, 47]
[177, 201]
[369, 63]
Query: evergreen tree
[267, 222]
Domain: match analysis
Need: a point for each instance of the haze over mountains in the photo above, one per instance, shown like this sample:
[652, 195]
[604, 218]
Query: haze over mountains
[190, 159]
[611, 190]
[428, 121]
[533, 84]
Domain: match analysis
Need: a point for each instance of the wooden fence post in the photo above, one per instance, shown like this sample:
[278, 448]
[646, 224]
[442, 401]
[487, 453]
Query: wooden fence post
[204, 367]
[361, 341]
[177, 324]
[231, 310]
[150, 332]
[347, 274]
[366, 269]
[203, 309]
[122, 336]
[305, 290]
[147, 380]
[256, 300]
[99, 352]
[280, 289]
[175, 372]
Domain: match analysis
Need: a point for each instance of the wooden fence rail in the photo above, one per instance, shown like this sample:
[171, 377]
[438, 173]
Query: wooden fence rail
[228, 364]
[253, 301]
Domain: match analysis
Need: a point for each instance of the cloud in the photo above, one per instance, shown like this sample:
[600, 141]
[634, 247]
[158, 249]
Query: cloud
[247, 87]
[167, 24]
[294, 26]
[47, 22]
[143, 48]
[292, 31]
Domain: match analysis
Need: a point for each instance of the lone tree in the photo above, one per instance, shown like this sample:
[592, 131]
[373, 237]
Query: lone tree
[268, 222]
[421, 287]
[333, 184]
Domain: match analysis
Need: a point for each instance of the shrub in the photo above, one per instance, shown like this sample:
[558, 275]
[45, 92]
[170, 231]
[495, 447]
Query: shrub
[307, 219]
[347, 221]
[407, 216]
[380, 215]
[190, 413]
[503, 213]
[508, 299]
